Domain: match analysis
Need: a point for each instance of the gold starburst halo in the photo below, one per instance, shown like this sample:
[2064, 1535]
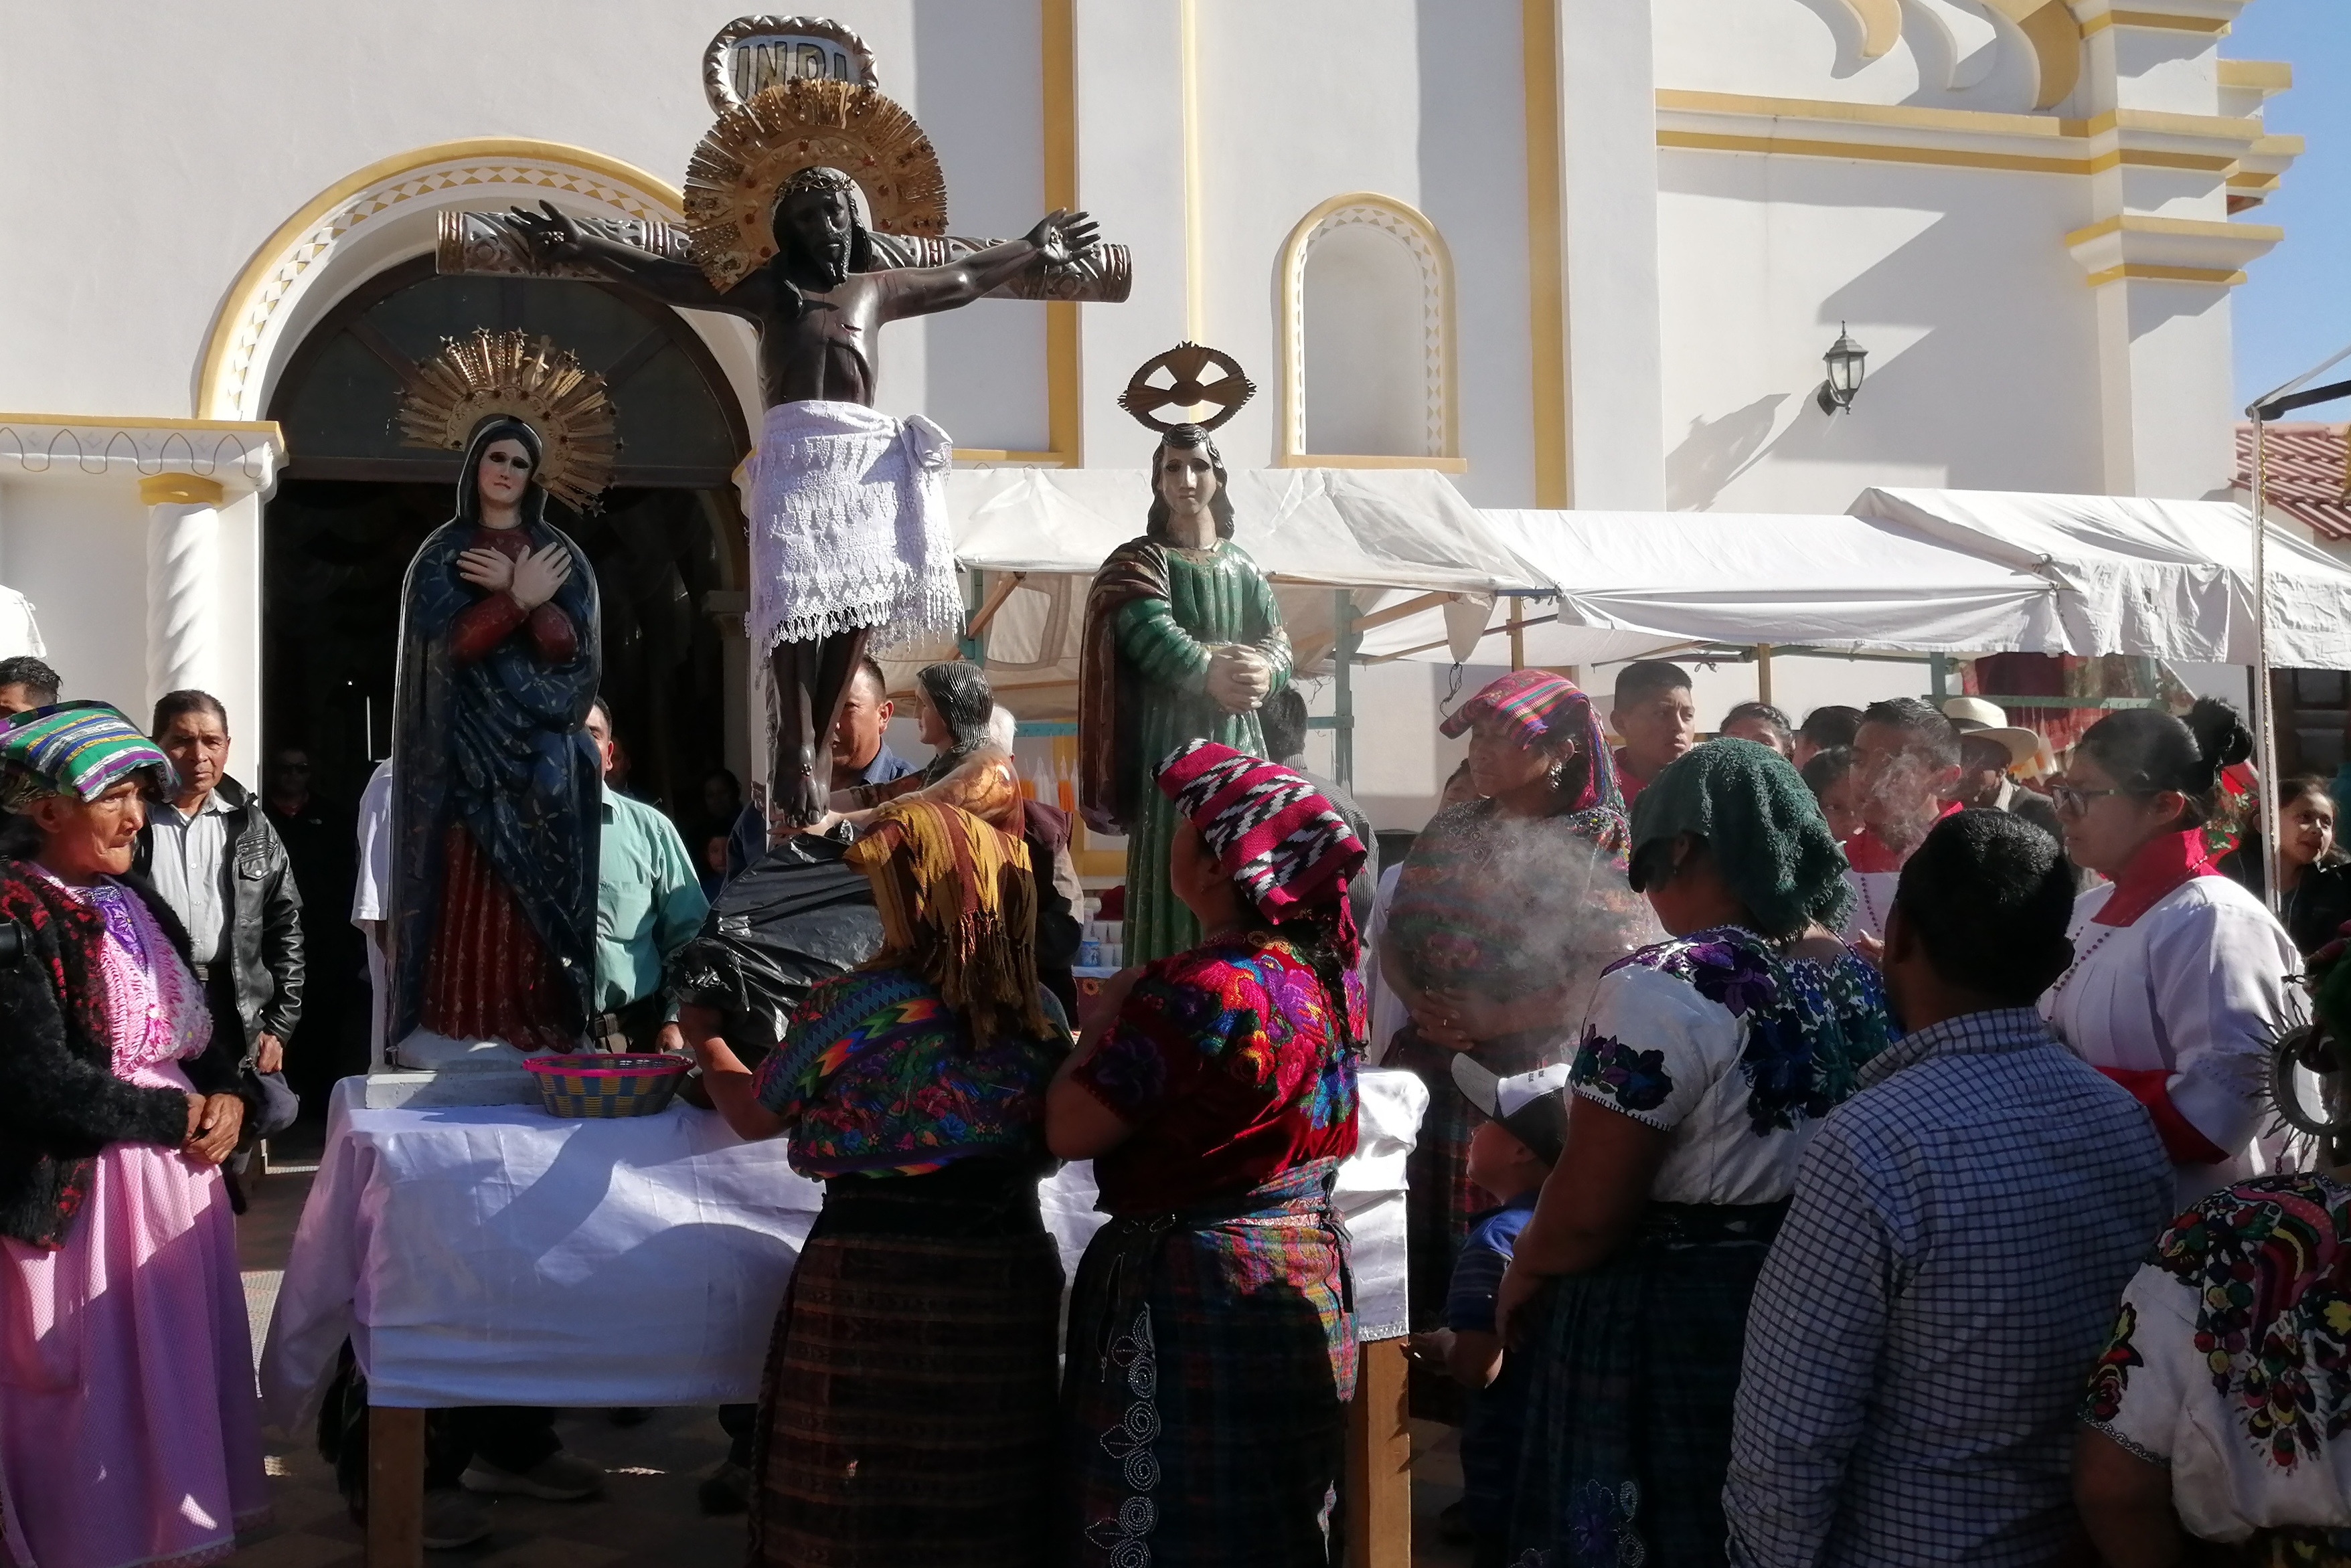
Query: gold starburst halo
[509, 373]
[732, 180]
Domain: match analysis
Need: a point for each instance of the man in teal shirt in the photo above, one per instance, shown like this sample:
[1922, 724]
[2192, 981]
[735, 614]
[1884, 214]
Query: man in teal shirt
[649, 904]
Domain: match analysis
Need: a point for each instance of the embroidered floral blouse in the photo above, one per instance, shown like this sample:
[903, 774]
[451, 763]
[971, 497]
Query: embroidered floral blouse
[877, 1076]
[2231, 1361]
[1225, 1061]
[1735, 1050]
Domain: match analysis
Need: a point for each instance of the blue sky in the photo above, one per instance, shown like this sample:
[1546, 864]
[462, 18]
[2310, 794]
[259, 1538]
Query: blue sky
[2296, 310]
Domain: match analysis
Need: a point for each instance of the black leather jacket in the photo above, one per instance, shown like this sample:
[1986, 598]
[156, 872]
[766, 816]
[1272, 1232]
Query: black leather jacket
[265, 920]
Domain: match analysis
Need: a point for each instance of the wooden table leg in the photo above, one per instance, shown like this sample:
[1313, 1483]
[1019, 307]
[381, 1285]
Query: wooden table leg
[395, 1513]
[1379, 1462]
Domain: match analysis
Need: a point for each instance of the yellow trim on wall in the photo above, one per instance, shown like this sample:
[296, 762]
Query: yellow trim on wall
[2266, 75]
[1982, 121]
[997, 454]
[1064, 365]
[1289, 282]
[2140, 158]
[2158, 21]
[1881, 26]
[180, 490]
[2183, 228]
[2048, 26]
[1325, 460]
[2149, 271]
[1546, 257]
[1196, 264]
[2227, 128]
[267, 428]
[1871, 151]
[274, 252]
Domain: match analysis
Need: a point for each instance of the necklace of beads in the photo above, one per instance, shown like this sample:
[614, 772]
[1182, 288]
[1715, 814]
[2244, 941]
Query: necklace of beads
[2104, 932]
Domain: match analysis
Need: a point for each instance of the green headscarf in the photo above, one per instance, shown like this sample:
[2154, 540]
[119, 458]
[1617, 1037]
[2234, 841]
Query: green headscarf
[1762, 825]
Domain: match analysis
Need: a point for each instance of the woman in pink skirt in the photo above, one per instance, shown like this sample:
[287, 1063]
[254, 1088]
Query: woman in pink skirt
[128, 1429]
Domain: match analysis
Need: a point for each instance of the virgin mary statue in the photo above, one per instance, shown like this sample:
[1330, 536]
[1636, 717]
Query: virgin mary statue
[496, 789]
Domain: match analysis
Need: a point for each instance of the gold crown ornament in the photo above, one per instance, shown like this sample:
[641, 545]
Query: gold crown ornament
[489, 374]
[765, 142]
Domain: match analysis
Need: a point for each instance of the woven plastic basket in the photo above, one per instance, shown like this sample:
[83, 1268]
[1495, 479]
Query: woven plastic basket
[588, 1084]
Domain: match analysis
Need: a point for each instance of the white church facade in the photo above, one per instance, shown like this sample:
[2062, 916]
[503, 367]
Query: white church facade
[1567, 253]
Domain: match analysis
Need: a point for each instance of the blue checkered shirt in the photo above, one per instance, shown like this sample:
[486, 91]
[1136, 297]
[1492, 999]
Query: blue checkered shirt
[1960, 1231]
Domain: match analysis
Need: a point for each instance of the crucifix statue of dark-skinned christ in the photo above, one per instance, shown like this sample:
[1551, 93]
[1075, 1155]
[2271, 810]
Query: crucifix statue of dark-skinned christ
[849, 538]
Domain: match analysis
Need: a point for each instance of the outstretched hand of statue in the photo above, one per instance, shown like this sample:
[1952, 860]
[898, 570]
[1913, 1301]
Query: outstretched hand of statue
[1061, 235]
[552, 237]
[538, 575]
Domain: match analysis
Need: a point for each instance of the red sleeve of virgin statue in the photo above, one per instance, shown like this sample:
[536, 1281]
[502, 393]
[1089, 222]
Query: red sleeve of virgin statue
[551, 633]
[2181, 1141]
[482, 627]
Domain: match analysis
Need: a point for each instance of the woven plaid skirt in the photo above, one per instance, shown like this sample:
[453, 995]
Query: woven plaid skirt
[1211, 1354]
[907, 1415]
[1636, 1367]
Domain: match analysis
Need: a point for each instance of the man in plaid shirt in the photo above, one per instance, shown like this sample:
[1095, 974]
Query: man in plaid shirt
[1960, 1231]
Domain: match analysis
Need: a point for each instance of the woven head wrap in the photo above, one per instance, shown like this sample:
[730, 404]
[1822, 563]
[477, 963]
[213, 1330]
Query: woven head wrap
[1538, 706]
[1762, 826]
[958, 908]
[1271, 832]
[83, 749]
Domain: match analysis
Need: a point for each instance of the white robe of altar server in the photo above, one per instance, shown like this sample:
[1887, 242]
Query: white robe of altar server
[2198, 987]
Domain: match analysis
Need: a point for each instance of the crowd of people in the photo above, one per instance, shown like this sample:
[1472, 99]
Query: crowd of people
[1839, 1149]
[1807, 1252]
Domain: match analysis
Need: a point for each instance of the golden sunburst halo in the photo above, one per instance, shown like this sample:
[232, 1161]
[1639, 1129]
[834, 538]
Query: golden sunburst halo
[732, 180]
[510, 373]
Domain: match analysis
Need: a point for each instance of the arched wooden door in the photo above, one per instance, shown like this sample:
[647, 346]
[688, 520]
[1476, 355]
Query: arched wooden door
[668, 542]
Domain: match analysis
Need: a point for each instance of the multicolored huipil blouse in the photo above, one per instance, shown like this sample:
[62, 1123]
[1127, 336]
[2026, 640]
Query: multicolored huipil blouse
[1735, 1049]
[876, 1075]
[2231, 1365]
[1228, 1063]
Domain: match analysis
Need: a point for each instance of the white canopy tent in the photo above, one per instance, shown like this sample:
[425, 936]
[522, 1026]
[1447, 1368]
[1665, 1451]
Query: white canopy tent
[2164, 579]
[1636, 583]
[1030, 541]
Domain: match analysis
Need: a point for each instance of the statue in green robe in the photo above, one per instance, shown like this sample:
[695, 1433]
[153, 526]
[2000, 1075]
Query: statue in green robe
[1183, 642]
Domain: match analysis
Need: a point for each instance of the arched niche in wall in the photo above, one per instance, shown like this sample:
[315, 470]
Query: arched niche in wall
[1366, 337]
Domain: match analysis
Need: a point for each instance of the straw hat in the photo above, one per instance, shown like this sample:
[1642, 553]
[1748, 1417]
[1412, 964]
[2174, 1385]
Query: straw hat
[1988, 721]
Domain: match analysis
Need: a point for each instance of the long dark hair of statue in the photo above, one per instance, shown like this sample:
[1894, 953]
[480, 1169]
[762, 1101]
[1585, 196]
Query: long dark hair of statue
[1189, 438]
[496, 744]
[961, 693]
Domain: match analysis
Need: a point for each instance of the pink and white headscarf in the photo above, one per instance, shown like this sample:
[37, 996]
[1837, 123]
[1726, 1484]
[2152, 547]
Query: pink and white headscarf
[1272, 831]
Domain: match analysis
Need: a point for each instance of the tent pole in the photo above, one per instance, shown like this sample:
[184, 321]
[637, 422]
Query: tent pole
[1518, 633]
[1939, 675]
[1343, 617]
[2264, 709]
[1763, 672]
[972, 645]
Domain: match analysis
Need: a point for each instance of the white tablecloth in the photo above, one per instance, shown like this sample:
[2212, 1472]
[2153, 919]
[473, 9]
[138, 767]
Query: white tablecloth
[495, 1255]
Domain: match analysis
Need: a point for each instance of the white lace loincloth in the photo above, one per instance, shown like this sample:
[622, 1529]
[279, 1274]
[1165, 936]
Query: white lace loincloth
[849, 527]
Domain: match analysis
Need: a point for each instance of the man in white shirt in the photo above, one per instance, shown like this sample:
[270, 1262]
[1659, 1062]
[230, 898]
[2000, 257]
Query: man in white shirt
[369, 893]
[1906, 764]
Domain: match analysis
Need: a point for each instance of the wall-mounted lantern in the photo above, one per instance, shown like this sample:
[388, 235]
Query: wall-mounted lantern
[1844, 360]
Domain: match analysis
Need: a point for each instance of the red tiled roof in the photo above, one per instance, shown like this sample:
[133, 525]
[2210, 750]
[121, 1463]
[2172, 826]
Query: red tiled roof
[2309, 473]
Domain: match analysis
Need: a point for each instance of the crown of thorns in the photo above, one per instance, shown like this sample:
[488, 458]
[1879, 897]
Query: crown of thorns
[817, 178]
